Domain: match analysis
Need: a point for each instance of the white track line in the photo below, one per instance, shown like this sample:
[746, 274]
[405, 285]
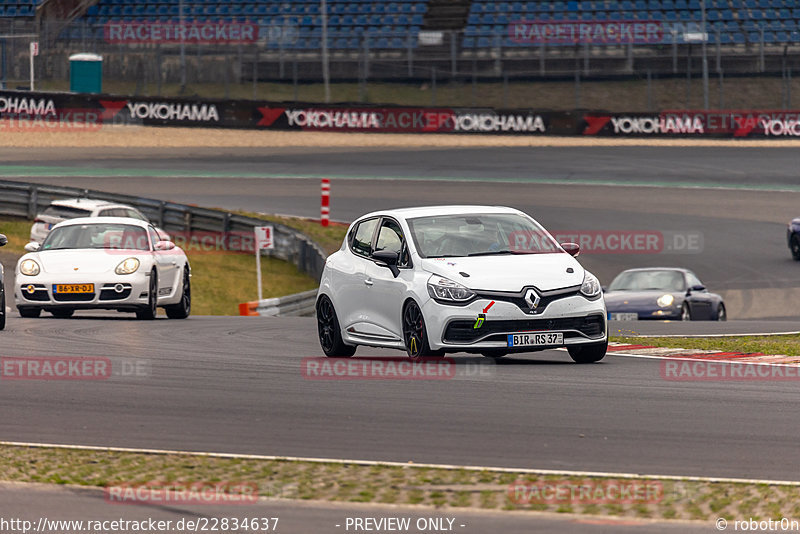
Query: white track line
[523, 471]
[719, 335]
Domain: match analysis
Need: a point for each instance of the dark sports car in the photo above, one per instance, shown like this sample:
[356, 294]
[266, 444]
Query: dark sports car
[661, 293]
[793, 238]
[3, 241]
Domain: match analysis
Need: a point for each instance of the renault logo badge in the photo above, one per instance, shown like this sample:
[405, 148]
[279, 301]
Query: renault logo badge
[532, 299]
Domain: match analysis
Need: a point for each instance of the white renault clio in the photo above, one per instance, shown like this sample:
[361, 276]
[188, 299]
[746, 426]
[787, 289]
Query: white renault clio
[477, 279]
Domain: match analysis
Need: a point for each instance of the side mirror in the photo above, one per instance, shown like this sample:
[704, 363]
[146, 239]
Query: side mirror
[3, 240]
[33, 246]
[387, 258]
[698, 287]
[604, 289]
[573, 249]
[164, 245]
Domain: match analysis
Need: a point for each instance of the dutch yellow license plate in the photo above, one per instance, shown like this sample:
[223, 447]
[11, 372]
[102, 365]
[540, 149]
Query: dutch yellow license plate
[74, 288]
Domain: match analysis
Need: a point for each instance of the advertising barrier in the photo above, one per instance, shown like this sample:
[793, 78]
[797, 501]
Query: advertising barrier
[21, 111]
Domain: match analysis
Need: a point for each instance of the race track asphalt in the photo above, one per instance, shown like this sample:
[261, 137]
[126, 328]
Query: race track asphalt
[231, 384]
[740, 229]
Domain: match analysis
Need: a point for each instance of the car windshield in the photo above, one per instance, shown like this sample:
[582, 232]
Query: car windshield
[450, 236]
[97, 235]
[648, 280]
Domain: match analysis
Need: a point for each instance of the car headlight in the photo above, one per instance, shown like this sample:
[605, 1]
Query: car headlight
[665, 300]
[590, 288]
[29, 268]
[441, 288]
[128, 266]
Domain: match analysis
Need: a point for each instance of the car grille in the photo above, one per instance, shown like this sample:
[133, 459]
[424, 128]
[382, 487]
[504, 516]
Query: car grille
[519, 299]
[462, 331]
[73, 297]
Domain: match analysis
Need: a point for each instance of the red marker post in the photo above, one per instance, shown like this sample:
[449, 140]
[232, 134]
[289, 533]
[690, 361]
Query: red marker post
[325, 209]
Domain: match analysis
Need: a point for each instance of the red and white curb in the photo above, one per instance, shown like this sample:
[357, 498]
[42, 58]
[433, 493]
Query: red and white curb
[648, 351]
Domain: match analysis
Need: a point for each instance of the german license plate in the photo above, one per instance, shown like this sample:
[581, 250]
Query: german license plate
[532, 339]
[73, 288]
[623, 316]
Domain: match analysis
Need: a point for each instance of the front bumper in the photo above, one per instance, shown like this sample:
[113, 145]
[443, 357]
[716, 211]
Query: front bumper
[114, 292]
[458, 328]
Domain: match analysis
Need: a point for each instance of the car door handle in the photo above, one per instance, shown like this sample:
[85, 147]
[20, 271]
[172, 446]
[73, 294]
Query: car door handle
[368, 281]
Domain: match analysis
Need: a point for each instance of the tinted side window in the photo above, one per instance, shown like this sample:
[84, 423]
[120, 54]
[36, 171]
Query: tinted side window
[362, 238]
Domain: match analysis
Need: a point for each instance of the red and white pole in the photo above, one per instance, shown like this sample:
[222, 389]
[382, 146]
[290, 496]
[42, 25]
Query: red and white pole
[325, 206]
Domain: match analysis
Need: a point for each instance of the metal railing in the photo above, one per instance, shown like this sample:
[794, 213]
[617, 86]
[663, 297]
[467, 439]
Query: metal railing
[26, 200]
[296, 305]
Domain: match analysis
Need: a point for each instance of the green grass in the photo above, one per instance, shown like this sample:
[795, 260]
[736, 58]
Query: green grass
[18, 232]
[220, 280]
[788, 345]
[330, 238]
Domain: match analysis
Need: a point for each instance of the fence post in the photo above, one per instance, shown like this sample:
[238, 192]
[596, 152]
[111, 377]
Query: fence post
[505, 90]
[474, 81]
[255, 73]
[159, 71]
[761, 65]
[162, 208]
[649, 91]
[33, 201]
[789, 88]
[294, 77]
[366, 57]
[674, 52]
[433, 86]
[586, 59]
[541, 59]
[410, 55]
[453, 65]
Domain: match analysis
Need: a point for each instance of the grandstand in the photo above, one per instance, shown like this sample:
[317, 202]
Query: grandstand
[421, 39]
[18, 8]
[395, 24]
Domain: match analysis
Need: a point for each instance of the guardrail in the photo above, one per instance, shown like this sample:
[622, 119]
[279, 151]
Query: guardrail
[299, 304]
[26, 200]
